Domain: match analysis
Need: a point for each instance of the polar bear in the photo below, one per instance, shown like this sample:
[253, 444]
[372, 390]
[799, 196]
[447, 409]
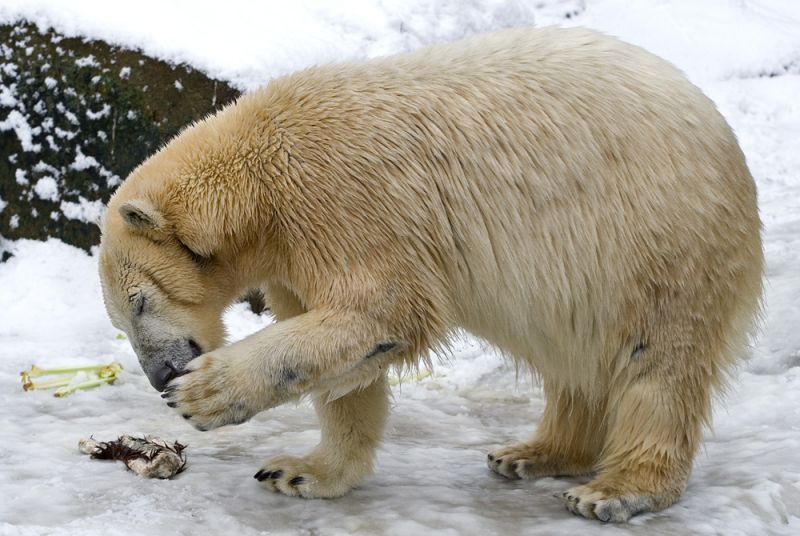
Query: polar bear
[570, 198]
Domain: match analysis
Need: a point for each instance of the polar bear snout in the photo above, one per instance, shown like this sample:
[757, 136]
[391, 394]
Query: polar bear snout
[167, 365]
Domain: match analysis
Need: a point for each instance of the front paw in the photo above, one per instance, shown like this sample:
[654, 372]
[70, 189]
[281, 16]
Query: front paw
[320, 475]
[213, 391]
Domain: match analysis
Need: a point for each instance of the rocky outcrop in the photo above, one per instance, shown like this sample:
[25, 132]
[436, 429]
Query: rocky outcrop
[76, 116]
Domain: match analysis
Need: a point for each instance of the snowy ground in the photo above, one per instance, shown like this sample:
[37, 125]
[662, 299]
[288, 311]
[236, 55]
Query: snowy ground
[430, 473]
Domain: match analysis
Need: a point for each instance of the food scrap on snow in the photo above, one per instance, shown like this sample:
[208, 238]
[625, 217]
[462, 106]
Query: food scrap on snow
[147, 456]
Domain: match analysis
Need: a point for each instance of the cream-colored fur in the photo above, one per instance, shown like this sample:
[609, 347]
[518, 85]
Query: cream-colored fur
[568, 197]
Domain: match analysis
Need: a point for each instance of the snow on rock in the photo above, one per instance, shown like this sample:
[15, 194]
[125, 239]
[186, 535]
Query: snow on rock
[46, 188]
[19, 124]
[68, 119]
[84, 210]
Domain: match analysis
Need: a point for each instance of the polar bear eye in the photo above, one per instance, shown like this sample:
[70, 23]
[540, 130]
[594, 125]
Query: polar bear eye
[196, 257]
[138, 304]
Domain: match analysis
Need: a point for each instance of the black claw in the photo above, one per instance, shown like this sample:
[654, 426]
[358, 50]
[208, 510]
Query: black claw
[202, 428]
[515, 466]
[263, 475]
[276, 474]
[186, 416]
[296, 481]
[172, 404]
[258, 474]
[491, 457]
[497, 461]
[165, 395]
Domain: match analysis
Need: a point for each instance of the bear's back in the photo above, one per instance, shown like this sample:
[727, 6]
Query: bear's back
[551, 170]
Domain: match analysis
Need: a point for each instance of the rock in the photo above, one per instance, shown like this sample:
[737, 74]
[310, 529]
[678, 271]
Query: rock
[76, 116]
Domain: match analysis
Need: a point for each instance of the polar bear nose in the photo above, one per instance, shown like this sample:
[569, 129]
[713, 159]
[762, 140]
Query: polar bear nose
[161, 377]
[182, 352]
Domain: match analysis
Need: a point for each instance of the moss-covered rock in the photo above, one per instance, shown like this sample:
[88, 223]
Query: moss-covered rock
[76, 116]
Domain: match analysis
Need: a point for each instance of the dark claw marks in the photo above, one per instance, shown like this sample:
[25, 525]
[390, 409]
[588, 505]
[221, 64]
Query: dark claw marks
[167, 395]
[263, 474]
[567, 496]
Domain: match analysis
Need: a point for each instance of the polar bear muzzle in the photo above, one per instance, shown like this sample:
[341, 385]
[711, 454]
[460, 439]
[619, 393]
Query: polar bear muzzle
[165, 361]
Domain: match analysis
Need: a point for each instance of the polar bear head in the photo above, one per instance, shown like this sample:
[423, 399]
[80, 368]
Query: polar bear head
[157, 290]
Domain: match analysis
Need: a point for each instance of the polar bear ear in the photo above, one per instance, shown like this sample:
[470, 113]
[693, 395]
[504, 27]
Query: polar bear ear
[142, 216]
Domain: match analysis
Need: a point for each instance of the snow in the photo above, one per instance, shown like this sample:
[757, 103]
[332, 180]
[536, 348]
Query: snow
[81, 161]
[16, 121]
[249, 42]
[430, 475]
[46, 188]
[84, 210]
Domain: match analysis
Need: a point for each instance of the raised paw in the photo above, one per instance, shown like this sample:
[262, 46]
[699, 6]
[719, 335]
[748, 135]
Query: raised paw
[592, 503]
[309, 476]
[212, 391]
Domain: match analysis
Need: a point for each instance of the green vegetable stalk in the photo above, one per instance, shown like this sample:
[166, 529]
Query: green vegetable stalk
[70, 379]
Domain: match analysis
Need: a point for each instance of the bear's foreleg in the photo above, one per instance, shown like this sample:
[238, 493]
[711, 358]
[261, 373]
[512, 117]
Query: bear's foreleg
[316, 352]
[351, 428]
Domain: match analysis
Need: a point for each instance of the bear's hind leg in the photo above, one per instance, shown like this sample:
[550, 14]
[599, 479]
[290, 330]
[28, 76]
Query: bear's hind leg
[655, 417]
[351, 428]
[567, 441]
